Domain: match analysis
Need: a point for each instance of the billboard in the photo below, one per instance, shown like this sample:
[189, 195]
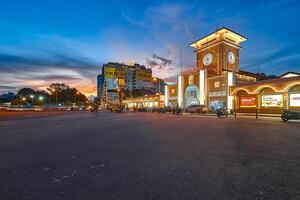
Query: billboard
[111, 83]
[247, 101]
[113, 72]
[272, 100]
[295, 100]
[121, 82]
[144, 75]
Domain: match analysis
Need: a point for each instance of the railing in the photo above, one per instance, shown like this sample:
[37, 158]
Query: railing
[258, 113]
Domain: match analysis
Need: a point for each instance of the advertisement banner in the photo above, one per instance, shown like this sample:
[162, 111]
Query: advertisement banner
[112, 72]
[109, 72]
[111, 83]
[272, 100]
[121, 82]
[295, 100]
[248, 102]
[144, 75]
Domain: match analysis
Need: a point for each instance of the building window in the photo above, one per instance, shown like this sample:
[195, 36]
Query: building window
[191, 79]
[173, 91]
[217, 84]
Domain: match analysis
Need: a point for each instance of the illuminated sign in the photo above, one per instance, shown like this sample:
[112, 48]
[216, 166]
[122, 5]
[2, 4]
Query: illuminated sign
[272, 100]
[217, 94]
[121, 82]
[144, 75]
[111, 84]
[248, 102]
[112, 72]
[295, 100]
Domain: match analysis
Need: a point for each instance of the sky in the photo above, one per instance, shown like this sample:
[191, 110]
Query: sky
[68, 41]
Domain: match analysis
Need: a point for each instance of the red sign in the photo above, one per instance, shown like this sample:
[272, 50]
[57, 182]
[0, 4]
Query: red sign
[248, 101]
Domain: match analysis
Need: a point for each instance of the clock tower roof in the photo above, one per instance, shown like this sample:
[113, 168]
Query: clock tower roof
[222, 34]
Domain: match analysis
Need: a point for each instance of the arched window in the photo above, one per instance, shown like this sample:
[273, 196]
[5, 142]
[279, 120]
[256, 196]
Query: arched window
[266, 90]
[295, 89]
[191, 95]
[241, 92]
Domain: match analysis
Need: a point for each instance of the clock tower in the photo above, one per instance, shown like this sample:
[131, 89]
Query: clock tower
[218, 52]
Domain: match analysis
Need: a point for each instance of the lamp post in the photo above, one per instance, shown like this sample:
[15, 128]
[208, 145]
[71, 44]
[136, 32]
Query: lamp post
[55, 90]
[155, 79]
[76, 93]
[32, 97]
[17, 89]
[120, 96]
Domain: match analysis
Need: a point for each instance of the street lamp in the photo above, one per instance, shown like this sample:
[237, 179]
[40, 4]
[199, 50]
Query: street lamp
[55, 90]
[120, 95]
[76, 93]
[17, 89]
[41, 98]
[155, 79]
[32, 97]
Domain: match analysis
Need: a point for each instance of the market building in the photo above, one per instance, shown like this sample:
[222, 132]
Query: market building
[217, 81]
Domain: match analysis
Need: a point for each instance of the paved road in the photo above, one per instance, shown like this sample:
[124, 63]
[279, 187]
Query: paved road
[140, 156]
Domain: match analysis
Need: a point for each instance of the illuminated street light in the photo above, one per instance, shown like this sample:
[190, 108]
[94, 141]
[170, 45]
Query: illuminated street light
[17, 89]
[32, 97]
[41, 98]
[23, 99]
[76, 93]
[55, 90]
[155, 79]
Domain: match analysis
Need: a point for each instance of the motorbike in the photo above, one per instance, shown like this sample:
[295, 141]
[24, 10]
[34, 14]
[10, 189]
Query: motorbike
[222, 112]
[178, 111]
[288, 115]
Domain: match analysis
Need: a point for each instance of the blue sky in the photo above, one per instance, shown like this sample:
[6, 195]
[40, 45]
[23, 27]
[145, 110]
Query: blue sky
[67, 41]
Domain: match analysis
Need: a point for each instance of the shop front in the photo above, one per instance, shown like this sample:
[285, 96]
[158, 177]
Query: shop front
[148, 101]
[268, 97]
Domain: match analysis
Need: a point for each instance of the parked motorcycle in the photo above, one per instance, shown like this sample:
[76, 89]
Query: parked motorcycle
[222, 112]
[177, 111]
[288, 115]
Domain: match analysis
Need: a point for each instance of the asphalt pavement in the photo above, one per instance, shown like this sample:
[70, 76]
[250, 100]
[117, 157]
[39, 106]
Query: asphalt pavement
[136, 156]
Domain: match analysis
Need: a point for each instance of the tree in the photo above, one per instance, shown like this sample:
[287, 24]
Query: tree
[26, 92]
[65, 94]
[38, 97]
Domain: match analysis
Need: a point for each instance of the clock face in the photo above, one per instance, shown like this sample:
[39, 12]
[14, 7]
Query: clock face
[207, 60]
[231, 57]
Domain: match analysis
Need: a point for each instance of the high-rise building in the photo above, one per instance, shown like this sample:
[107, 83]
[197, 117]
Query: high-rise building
[127, 78]
[100, 80]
